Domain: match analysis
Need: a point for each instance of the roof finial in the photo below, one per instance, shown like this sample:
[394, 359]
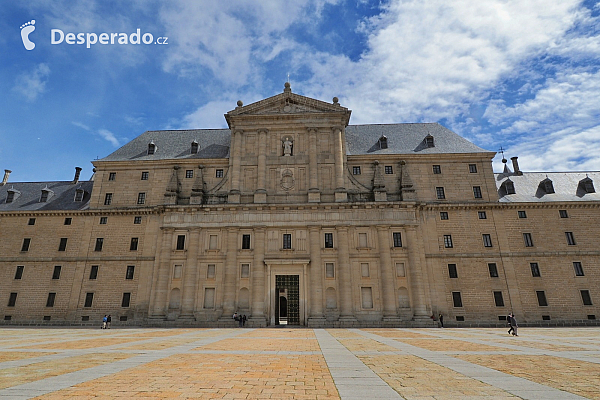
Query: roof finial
[504, 160]
[287, 88]
[288, 81]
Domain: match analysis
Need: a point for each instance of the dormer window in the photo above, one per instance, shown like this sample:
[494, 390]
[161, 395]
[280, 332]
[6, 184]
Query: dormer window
[79, 194]
[509, 187]
[46, 194]
[547, 186]
[429, 141]
[12, 195]
[194, 149]
[151, 148]
[383, 142]
[587, 184]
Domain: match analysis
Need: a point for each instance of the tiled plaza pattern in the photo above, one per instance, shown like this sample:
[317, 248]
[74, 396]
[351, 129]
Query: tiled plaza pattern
[554, 363]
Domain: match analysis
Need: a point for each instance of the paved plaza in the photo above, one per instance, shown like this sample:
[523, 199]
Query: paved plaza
[282, 363]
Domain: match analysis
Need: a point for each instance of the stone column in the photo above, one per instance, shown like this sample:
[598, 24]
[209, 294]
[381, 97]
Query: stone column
[231, 271]
[258, 277]
[340, 190]
[260, 196]
[387, 273]
[344, 275]
[314, 196]
[162, 280]
[315, 276]
[414, 272]
[234, 174]
[190, 273]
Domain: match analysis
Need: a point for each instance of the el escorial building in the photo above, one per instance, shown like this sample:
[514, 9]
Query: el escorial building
[294, 216]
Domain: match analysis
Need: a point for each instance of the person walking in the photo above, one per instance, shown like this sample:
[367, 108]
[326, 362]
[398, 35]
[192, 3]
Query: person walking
[104, 320]
[512, 321]
[441, 318]
[108, 321]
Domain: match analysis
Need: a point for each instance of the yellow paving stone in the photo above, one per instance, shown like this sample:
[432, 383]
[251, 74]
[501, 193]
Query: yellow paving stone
[541, 345]
[365, 344]
[13, 355]
[159, 345]
[81, 344]
[34, 372]
[578, 377]
[244, 343]
[415, 378]
[451, 345]
[398, 334]
[280, 333]
[343, 333]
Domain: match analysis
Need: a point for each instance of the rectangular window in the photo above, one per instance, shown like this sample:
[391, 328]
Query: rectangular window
[448, 241]
[367, 297]
[245, 272]
[212, 242]
[99, 243]
[487, 240]
[219, 173]
[180, 242]
[437, 169]
[31, 221]
[477, 192]
[473, 168]
[137, 220]
[481, 214]
[452, 272]
[389, 170]
[79, 194]
[130, 272]
[246, 242]
[528, 240]
[189, 173]
[68, 221]
[25, 245]
[493, 270]
[541, 296]
[498, 299]
[563, 213]
[329, 270]
[19, 272]
[443, 215]
[89, 299]
[103, 220]
[397, 236]
[535, 269]
[287, 240]
[522, 214]
[56, 273]
[133, 246]
[50, 300]
[141, 198]
[10, 196]
[578, 268]
[62, 246]
[145, 175]
[586, 298]
[570, 238]
[12, 299]
[439, 192]
[108, 199]
[211, 271]
[355, 170]
[44, 197]
[329, 240]
[94, 272]
[364, 270]
[457, 299]
[126, 300]
[209, 298]
[112, 176]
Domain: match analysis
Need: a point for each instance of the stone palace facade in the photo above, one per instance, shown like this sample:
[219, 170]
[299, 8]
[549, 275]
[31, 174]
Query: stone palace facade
[293, 216]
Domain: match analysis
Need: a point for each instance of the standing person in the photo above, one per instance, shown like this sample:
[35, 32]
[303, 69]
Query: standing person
[244, 319]
[441, 318]
[240, 320]
[108, 321]
[513, 324]
[104, 320]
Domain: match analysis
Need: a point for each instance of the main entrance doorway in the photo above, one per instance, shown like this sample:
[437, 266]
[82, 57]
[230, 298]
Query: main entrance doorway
[287, 300]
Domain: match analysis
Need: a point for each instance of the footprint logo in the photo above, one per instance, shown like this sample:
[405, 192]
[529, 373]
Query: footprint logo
[26, 29]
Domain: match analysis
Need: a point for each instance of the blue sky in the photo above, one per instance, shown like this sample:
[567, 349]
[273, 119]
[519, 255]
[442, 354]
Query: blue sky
[521, 74]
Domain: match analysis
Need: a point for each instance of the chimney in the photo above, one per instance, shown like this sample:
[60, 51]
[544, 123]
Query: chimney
[516, 166]
[77, 172]
[5, 179]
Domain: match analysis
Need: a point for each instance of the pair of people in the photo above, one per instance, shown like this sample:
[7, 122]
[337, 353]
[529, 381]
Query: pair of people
[106, 321]
[512, 322]
[240, 318]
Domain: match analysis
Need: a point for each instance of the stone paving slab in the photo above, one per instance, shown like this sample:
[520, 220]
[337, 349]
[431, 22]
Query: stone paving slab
[284, 363]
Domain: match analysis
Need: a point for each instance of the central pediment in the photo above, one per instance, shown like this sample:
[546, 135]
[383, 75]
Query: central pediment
[287, 103]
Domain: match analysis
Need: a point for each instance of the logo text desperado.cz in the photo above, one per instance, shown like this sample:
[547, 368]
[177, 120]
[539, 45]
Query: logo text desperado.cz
[57, 36]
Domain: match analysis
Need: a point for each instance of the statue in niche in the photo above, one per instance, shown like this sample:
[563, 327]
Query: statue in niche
[288, 146]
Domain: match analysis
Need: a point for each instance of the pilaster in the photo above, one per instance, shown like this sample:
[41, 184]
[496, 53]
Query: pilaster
[190, 273]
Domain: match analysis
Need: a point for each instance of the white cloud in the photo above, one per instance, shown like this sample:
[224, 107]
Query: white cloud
[80, 125]
[108, 136]
[32, 83]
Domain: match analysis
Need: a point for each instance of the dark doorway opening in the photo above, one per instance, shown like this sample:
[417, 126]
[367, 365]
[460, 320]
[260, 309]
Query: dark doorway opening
[287, 300]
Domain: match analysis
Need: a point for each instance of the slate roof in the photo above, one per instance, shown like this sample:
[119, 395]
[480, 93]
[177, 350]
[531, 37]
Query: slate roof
[30, 193]
[406, 139]
[361, 139]
[566, 187]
